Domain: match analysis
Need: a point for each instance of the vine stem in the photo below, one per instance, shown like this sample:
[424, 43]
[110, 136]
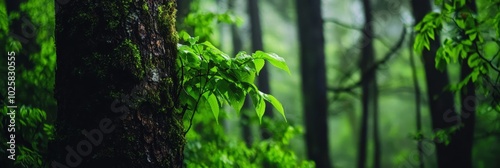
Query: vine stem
[202, 91]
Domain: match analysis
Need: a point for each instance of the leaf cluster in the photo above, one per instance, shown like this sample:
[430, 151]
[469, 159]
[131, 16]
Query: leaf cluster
[210, 78]
[222, 151]
[464, 31]
[32, 134]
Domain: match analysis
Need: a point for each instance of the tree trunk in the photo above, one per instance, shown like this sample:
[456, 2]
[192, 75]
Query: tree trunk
[418, 110]
[468, 106]
[183, 8]
[116, 84]
[313, 80]
[441, 102]
[369, 90]
[237, 47]
[263, 78]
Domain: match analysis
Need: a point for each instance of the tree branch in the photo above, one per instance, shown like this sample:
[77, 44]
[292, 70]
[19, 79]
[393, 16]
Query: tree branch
[375, 66]
[345, 25]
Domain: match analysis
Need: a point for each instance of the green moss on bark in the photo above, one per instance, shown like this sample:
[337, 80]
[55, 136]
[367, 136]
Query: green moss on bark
[108, 49]
[128, 54]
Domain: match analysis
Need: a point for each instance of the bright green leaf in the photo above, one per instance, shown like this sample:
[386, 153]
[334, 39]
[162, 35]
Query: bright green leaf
[467, 42]
[259, 64]
[271, 99]
[274, 59]
[236, 97]
[183, 35]
[430, 33]
[474, 75]
[427, 43]
[260, 108]
[214, 105]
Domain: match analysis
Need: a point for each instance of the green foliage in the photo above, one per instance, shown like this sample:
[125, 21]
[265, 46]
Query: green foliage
[464, 37]
[35, 59]
[35, 66]
[211, 78]
[220, 151]
[32, 134]
[202, 23]
[470, 38]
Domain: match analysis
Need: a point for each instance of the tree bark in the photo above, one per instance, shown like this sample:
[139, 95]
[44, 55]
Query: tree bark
[313, 80]
[441, 102]
[116, 85]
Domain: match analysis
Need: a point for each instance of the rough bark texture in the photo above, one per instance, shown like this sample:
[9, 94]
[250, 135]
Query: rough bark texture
[441, 102]
[116, 79]
[312, 58]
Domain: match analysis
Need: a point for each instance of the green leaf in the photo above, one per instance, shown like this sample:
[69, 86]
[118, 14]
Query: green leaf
[249, 87]
[247, 75]
[417, 46]
[427, 43]
[460, 23]
[429, 17]
[440, 63]
[271, 99]
[463, 54]
[473, 60]
[260, 107]
[193, 40]
[418, 26]
[430, 33]
[184, 36]
[236, 97]
[274, 59]
[474, 75]
[259, 64]
[467, 42]
[473, 36]
[216, 51]
[447, 6]
[462, 2]
[214, 105]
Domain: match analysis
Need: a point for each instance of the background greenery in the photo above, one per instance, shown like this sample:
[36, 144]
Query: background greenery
[220, 144]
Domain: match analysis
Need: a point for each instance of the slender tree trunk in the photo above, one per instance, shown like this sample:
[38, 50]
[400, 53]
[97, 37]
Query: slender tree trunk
[263, 78]
[183, 8]
[369, 90]
[376, 135]
[237, 47]
[441, 102]
[418, 110]
[468, 116]
[116, 85]
[468, 106]
[313, 80]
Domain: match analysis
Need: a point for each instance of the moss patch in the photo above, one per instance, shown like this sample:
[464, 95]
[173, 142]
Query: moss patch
[130, 57]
